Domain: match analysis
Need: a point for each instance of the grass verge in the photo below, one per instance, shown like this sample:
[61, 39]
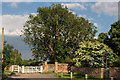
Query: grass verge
[47, 73]
[9, 73]
[76, 76]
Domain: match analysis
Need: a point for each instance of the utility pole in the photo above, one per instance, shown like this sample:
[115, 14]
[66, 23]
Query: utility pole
[2, 50]
[2, 42]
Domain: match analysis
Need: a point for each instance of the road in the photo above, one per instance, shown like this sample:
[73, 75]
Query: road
[36, 76]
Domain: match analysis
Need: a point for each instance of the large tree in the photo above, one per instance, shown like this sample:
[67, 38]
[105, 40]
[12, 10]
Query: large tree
[93, 54]
[54, 33]
[114, 33]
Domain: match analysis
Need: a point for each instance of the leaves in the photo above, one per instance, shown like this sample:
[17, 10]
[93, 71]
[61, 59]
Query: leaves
[93, 54]
[103, 37]
[114, 33]
[55, 33]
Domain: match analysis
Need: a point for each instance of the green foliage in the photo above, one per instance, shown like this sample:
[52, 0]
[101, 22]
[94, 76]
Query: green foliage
[117, 62]
[9, 73]
[47, 72]
[103, 37]
[54, 33]
[75, 76]
[32, 62]
[12, 73]
[113, 40]
[114, 33]
[11, 56]
[93, 54]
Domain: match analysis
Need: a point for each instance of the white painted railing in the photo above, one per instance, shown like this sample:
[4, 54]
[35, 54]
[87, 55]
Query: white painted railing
[32, 69]
[27, 69]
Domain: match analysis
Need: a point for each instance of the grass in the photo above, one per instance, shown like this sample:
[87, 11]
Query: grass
[76, 76]
[47, 73]
[9, 73]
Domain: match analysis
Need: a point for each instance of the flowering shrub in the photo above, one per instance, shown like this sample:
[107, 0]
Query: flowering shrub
[93, 54]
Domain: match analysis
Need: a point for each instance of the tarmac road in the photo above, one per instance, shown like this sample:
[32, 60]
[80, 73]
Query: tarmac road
[35, 76]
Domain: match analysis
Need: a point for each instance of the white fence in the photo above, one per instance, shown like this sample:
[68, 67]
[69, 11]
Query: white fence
[27, 69]
[32, 69]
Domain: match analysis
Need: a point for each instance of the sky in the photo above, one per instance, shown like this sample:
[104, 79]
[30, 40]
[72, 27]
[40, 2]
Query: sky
[15, 14]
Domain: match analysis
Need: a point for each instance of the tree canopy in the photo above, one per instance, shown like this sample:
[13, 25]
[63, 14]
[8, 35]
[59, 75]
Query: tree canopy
[114, 33]
[112, 38]
[93, 54]
[103, 37]
[11, 56]
[54, 33]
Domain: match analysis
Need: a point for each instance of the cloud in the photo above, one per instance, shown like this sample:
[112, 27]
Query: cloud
[84, 16]
[74, 5]
[14, 4]
[96, 37]
[73, 12]
[13, 24]
[108, 8]
[34, 14]
[90, 19]
[95, 24]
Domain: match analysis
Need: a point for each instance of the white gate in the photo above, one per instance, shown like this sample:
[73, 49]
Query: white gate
[15, 68]
[32, 69]
[27, 69]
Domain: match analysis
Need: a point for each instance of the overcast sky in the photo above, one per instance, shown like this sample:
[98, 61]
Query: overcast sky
[14, 15]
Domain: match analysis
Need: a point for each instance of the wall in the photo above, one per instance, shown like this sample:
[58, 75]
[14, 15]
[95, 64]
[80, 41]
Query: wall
[62, 67]
[55, 67]
[115, 72]
[50, 67]
[97, 72]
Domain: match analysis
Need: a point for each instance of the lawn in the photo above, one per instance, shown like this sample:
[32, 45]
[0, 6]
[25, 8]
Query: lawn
[76, 76]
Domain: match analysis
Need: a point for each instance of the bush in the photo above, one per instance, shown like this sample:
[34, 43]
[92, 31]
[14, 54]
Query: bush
[12, 73]
[9, 73]
[116, 63]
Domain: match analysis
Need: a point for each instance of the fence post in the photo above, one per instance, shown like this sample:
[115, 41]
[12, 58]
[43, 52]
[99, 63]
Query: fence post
[41, 68]
[22, 69]
[45, 66]
[71, 75]
[36, 69]
[12, 68]
[86, 76]
[32, 69]
[28, 69]
[18, 68]
[112, 78]
[102, 71]
[56, 66]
